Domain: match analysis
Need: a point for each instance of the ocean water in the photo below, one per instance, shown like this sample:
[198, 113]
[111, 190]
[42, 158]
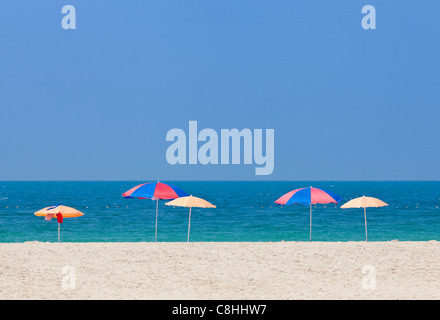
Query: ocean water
[245, 212]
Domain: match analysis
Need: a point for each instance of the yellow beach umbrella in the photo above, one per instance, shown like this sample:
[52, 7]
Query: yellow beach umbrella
[364, 202]
[59, 212]
[190, 202]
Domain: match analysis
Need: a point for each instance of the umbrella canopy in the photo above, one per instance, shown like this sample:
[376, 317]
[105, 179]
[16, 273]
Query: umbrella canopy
[59, 212]
[308, 196]
[66, 212]
[155, 191]
[364, 202]
[190, 202]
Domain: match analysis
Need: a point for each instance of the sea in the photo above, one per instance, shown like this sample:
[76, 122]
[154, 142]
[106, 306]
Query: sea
[245, 212]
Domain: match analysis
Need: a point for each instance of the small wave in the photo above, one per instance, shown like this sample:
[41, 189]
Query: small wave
[3, 199]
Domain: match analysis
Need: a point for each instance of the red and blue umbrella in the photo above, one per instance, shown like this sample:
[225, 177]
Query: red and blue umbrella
[155, 191]
[309, 196]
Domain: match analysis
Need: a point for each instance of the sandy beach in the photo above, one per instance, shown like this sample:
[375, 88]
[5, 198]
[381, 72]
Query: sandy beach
[220, 270]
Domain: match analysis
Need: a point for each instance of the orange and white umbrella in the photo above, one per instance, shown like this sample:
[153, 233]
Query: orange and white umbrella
[189, 202]
[59, 212]
[364, 202]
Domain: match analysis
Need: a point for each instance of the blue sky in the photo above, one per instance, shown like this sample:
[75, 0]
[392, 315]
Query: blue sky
[96, 103]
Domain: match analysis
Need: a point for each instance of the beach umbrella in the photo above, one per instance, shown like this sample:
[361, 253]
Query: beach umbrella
[364, 202]
[190, 202]
[60, 212]
[308, 196]
[155, 191]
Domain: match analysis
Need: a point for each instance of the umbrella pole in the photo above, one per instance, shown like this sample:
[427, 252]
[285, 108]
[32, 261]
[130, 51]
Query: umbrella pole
[310, 221]
[189, 222]
[58, 232]
[157, 205]
[365, 216]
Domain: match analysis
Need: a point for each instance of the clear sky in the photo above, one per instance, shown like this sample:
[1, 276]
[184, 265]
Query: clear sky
[96, 103]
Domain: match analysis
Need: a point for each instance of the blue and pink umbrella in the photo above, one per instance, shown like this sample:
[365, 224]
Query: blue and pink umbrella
[309, 196]
[155, 191]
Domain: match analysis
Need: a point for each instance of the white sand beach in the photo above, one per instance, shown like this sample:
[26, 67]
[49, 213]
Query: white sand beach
[220, 270]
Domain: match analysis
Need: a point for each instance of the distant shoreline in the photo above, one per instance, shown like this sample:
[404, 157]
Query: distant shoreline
[217, 180]
[207, 242]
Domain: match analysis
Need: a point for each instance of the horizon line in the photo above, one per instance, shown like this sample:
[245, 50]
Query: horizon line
[221, 180]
